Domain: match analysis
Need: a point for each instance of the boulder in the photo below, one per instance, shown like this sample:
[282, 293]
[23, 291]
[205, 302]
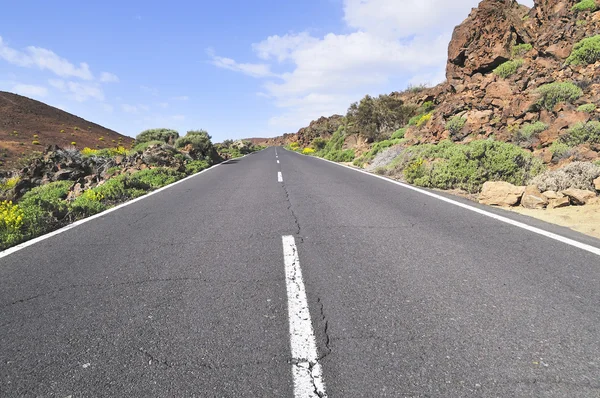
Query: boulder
[579, 197]
[499, 193]
[553, 195]
[597, 184]
[533, 198]
[558, 203]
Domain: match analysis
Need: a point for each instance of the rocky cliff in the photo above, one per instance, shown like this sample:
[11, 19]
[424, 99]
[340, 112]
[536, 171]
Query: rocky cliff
[501, 61]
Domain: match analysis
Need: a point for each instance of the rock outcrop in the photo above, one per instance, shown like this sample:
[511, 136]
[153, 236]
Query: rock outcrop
[540, 39]
[59, 164]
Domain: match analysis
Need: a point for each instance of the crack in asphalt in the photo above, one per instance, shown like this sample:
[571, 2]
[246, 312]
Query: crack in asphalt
[101, 285]
[291, 210]
[325, 329]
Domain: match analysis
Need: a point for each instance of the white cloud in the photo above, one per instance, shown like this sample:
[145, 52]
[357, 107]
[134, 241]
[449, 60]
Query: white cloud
[44, 59]
[79, 92]
[254, 70]
[134, 109]
[29, 90]
[106, 77]
[163, 105]
[150, 90]
[108, 108]
[387, 42]
[181, 98]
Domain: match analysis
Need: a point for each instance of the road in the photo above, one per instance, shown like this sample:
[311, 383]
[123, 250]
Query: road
[387, 292]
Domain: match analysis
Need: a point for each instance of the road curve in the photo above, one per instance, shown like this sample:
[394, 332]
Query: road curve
[193, 292]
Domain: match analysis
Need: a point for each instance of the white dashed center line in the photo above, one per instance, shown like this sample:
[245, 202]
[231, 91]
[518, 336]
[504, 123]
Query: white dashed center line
[279, 177]
[306, 369]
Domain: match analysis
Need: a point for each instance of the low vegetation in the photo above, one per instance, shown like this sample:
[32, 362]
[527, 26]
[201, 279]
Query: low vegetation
[582, 133]
[554, 93]
[585, 5]
[448, 165]
[578, 175]
[52, 205]
[528, 131]
[456, 124]
[375, 149]
[508, 68]
[585, 52]
[587, 108]
[521, 49]
[164, 135]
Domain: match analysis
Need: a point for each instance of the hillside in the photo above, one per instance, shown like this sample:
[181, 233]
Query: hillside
[524, 76]
[22, 119]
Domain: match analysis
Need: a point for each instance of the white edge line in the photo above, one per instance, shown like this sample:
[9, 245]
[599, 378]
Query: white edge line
[306, 369]
[497, 217]
[33, 241]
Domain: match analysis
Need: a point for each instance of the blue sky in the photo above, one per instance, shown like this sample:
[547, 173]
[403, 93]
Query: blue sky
[235, 68]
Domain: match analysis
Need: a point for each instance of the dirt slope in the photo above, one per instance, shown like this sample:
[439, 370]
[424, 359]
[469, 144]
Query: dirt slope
[21, 118]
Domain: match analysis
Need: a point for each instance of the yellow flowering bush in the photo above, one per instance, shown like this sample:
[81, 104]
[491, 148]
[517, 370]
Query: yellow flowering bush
[88, 151]
[308, 151]
[11, 221]
[424, 119]
[9, 183]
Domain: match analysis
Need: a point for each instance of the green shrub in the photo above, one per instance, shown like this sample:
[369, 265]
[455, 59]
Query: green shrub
[347, 155]
[415, 172]
[165, 135]
[456, 124]
[139, 148]
[585, 52]
[587, 108]
[428, 106]
[335, 144]
[318, 143]
[35, 142]
[118, 189]
[196, 166]
[87, 204]
[44, 206]
[527, 131]
[399, 134]
[154, 178]
[583, 133]
[585, 5]
[560, 150]
[200, 143]
[557, 92]
[508, 68]
[521, 49]
[375, 149]
[468, 166]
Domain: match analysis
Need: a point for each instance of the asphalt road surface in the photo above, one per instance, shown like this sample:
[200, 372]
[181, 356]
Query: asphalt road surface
[288, 276]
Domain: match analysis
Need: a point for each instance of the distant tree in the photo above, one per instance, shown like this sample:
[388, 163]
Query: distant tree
[377, 118]
[167, 135]
[198, 143]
